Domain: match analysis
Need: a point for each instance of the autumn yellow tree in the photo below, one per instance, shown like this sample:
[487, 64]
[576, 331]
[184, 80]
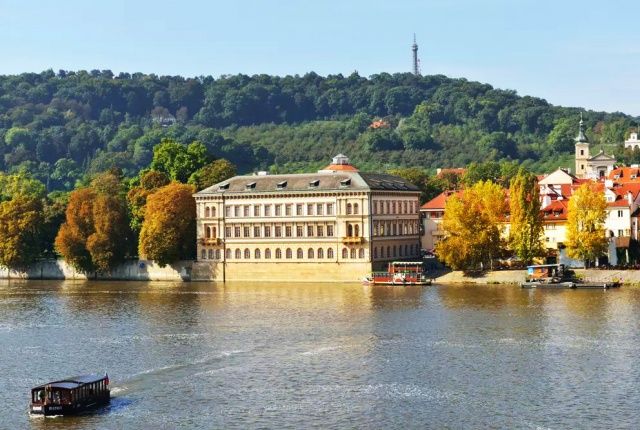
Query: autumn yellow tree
[20, 222]
[169, 228]
[526, 234]
[96, 234]
[586, 237]
[137, 196]
[472, 227]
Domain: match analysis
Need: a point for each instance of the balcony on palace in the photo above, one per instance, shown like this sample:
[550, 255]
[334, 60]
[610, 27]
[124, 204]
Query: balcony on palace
[210, 241]
[350, 240]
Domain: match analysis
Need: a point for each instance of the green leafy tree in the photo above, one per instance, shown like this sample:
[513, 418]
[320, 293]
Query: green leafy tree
[525, 236]
[178, 161]
[213, 173]
[586, 237]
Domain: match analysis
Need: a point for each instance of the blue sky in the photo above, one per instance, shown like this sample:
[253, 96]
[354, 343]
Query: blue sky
[571, 53]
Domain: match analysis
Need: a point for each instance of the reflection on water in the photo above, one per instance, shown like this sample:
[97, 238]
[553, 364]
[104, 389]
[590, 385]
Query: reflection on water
[201, 355]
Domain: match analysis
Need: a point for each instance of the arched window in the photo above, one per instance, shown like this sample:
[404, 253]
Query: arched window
[353, 253]
[247, 254]
[349, 230]
[400, 250]
[257, 254]
[375, 252]
[356, 209]
[394, 251]
[406, 249]
[211, 254]
[320, 253]
[238, 254]
[349, 209]
[208, 233]
[356, 231]
[310, 254]
[345, 253]
[203, 256]
[289, 253]
[278, 253]
[207, 212]
[213, 211]
[382, 252]
[361, 253]
[267, 254]
[395, 229]
[214, 235]
[330, 253]
[218, 253]
[229, 254]
[300, 253]
[388, 252]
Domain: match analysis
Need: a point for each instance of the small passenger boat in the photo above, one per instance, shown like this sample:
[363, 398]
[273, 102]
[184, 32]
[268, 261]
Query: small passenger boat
[400, 273]
[556, 276]
[70, 396]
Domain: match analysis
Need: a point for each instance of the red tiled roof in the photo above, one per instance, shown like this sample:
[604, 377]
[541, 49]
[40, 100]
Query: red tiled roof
[439, 201]
[558, 207]
[624, 174]
[342, 167]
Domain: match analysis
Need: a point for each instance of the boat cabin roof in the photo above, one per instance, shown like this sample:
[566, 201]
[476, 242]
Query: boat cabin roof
[541, 266]
[407, 263]
[71, 383]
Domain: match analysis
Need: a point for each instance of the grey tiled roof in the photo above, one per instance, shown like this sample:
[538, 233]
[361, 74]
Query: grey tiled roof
[310, 182]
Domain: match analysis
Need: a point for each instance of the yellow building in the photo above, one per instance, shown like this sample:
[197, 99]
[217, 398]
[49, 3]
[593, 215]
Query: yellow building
[334, 225]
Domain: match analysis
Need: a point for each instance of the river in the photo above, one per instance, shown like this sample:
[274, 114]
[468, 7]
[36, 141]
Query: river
[201, 355]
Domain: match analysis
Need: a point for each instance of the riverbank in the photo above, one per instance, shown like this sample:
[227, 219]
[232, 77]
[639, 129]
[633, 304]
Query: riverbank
[627, 277]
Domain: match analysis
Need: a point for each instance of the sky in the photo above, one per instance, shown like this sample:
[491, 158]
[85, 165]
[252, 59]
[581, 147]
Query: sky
[570, 53]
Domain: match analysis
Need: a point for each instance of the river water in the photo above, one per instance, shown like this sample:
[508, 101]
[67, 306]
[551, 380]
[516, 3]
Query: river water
[200, 355]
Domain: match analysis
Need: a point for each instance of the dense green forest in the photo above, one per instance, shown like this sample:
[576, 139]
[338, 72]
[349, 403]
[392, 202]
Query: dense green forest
[64, 127]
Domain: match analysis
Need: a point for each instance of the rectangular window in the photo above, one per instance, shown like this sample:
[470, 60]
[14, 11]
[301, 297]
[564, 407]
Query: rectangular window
[236, 232]
[267, 211]
[299, 232]
[319, 209]
[619, 214]
[287, 231]
[227, 232]
[320, 231]
[236, 211]
[278, 210]
[267, 231]
[309, 209]
[246, 210]
[278, 231]
[227, 211]
[256, 231]
[256, 210]
[287, 210]
[329, 208]
[310, 231]
[375, 208]
[620, 233]
[298, 210]
[329, 230]
[245, 232]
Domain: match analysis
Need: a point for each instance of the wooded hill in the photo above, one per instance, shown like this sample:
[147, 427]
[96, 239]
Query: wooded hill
[63, 126]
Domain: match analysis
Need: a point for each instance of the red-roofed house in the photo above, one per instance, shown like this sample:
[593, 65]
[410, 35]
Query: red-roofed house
[431, 214]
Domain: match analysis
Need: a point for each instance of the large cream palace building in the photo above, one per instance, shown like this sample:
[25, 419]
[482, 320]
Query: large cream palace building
[334, 225]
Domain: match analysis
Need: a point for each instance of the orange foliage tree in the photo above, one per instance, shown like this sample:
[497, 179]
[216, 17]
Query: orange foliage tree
[96, 234]
[169, 227]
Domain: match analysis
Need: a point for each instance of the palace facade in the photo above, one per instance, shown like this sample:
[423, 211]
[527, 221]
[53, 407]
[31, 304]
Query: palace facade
[335, 225]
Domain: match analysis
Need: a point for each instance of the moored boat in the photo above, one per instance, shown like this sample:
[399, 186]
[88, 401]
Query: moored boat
[70, 396]
[400, 273]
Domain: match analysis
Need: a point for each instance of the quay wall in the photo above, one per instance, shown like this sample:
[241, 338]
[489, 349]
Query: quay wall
[133, 270]
[628, 277]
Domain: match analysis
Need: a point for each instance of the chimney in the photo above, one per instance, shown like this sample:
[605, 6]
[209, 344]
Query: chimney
[630, 198]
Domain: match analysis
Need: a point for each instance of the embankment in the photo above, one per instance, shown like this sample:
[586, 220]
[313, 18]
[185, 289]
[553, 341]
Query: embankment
[628, 277]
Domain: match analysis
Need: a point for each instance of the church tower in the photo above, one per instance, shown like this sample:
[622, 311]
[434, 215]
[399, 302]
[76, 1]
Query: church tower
[582, 152]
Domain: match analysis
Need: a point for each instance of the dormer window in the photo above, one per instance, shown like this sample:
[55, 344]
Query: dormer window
[314, 184]
[557, 213]
[281, 185]
[345, 182]
[633, 176]
[250, 186]
[616, 176]
[223, 187]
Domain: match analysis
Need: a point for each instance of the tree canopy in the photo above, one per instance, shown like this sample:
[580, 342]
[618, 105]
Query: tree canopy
[586, 234]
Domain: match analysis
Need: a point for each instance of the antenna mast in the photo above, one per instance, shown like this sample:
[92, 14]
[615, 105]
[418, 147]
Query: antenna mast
[416, 61]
